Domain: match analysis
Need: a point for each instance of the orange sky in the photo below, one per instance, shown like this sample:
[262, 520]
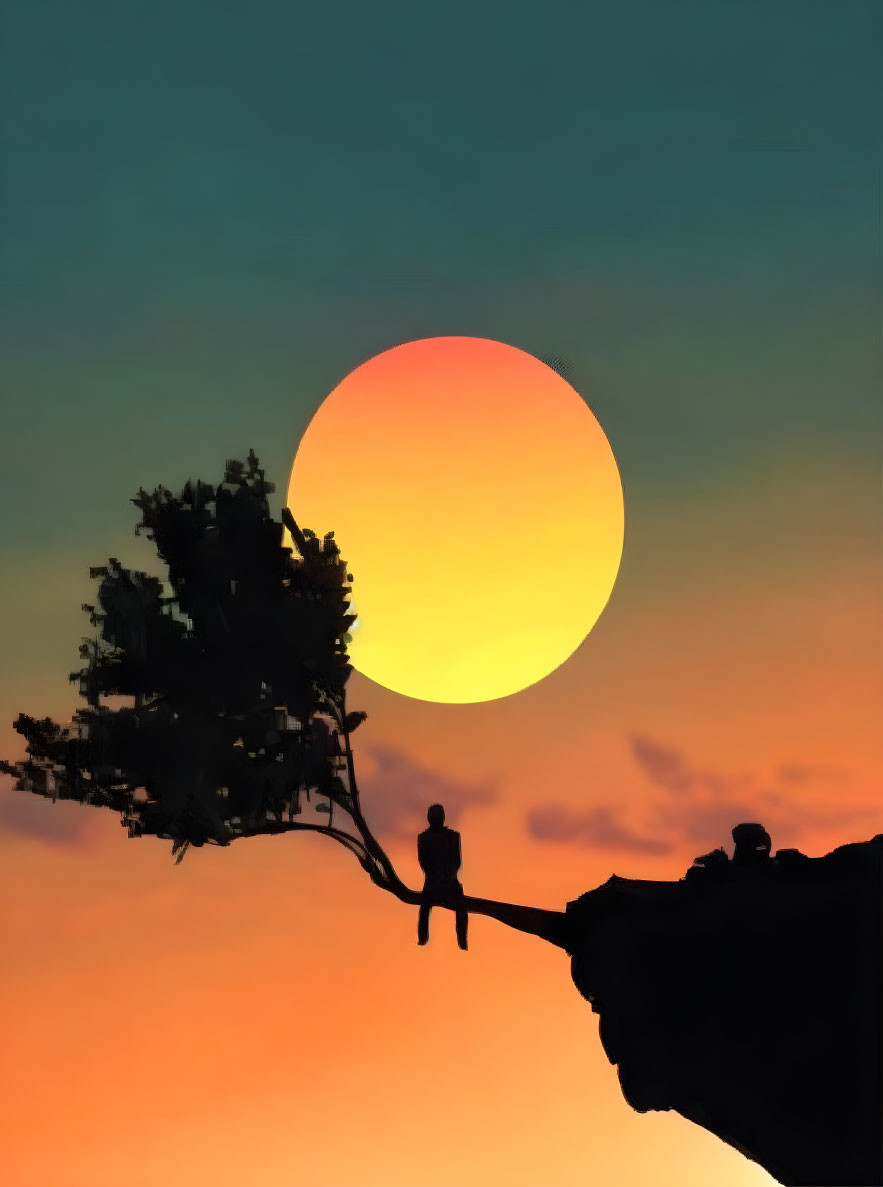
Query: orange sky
[283, 1026]
[262, 1014]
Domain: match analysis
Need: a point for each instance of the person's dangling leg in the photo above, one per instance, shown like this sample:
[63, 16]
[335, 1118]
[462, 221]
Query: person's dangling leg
[423, 923]
[462, 925]
[462, 921]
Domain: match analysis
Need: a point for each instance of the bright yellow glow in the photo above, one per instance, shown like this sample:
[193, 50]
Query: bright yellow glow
[479, 507]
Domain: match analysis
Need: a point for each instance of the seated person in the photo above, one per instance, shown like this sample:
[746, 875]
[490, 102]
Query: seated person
[438, 851]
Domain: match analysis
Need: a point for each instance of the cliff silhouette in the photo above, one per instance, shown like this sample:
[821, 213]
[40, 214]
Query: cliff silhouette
[747, 997]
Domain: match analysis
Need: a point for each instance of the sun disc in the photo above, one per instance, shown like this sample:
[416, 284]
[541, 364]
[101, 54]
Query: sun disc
[479, 507]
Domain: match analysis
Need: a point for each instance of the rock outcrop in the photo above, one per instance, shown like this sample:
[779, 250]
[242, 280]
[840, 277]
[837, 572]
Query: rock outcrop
[748, 999]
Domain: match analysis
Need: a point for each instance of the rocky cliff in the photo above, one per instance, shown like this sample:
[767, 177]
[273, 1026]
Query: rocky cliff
[748, 999]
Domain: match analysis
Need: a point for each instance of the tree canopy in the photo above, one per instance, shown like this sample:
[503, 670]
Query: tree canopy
[234, 721]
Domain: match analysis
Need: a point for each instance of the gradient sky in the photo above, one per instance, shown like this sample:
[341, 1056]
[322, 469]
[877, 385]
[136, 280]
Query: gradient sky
[212, 212]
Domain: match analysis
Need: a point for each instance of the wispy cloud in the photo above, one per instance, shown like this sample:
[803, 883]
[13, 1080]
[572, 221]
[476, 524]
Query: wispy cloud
[596, 828]
[36, 818]
[668, 767]
[662, 764]
[796, 772]
[396, 792]
[704, 818]
[709, 823]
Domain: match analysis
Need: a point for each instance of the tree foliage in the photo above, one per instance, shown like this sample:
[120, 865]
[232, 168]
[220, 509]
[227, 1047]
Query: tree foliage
[218, 710]
[234, 719]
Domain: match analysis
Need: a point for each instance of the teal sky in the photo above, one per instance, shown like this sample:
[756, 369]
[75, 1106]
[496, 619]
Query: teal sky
[212, 211]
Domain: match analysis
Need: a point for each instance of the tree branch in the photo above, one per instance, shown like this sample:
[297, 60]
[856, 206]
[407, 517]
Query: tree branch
[551, 926]
[548, 925]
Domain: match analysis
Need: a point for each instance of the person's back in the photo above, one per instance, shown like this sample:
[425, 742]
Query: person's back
[438, 851]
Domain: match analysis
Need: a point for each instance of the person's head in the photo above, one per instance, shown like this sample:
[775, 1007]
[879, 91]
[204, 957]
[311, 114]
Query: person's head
[753, 843]
[436, 816]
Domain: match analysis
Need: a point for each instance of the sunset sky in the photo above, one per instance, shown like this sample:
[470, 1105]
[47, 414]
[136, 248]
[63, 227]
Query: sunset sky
[213, 213]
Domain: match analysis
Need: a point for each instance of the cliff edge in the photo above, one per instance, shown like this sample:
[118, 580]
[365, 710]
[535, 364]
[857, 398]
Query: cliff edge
[747, 997]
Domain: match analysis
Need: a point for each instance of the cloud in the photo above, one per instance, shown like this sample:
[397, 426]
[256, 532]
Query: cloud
[25, 814]
[796, 772]
[396, 791]
[662, 764]
[668, 768]
[596, 828]
[720, 800]
[710, 823]
[704, 818]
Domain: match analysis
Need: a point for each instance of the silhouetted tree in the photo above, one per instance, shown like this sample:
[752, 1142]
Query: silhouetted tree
[237, 719]
[237, 723]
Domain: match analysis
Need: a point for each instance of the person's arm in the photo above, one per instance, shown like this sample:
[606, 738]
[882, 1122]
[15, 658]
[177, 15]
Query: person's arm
[421, 853]
[458, 851]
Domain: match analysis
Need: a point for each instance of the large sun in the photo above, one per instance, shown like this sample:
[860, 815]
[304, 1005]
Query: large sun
[479, 508]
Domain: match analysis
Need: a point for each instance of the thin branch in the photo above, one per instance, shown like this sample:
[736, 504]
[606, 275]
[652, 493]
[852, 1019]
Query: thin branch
[391, 880]
[551, 926]
[271, 828]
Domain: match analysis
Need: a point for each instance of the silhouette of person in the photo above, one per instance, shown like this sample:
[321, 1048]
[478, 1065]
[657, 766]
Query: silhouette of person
[753, 845]
[439, 854]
